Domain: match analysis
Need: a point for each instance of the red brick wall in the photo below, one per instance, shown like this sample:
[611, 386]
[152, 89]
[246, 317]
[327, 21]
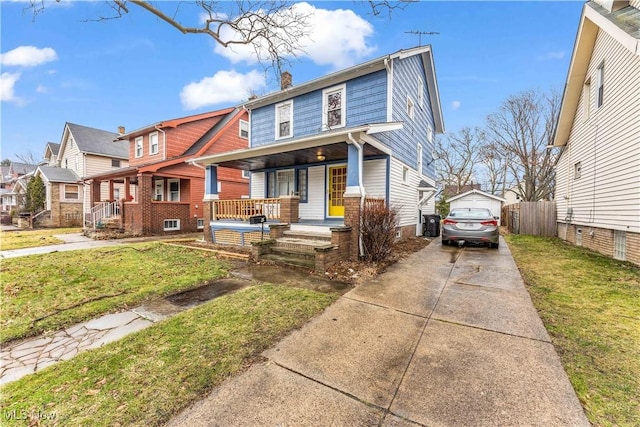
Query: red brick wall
[170, 210]
[352, 219]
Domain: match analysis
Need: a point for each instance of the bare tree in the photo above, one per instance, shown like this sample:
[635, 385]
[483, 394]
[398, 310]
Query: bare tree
[27, 158]
[273, 28]
[458, 156]
[523, 128]
[494, 169]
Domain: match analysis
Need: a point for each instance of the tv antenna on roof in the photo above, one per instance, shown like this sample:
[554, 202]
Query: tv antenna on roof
[421, 33]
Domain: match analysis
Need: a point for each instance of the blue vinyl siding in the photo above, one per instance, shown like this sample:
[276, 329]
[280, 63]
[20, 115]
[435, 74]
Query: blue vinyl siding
[365, 103]
[406, 73]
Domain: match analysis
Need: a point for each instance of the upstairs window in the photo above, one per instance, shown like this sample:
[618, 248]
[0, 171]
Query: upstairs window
[333, 107]
[244, 129]
[410, 107]
[138, 149]
[153, 143]
[600, 95]
[419, 155]
[420, 93]
[115, 163]
[586, 99]
[284, 113]
[577, 170]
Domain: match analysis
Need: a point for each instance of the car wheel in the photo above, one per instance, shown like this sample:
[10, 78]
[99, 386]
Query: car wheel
[494, 245]
[445, 243]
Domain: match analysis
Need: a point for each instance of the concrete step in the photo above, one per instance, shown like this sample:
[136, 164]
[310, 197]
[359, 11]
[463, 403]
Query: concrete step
[303, 245]
[307, 235]
[302, 253]
[290, 261]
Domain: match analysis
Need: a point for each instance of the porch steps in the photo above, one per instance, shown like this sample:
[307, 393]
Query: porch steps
[297, 249]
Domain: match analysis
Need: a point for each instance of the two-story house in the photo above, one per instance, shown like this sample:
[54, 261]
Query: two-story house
[320, 150]
[82, 151]
[162, 191]
[13, 185]
[598, 172]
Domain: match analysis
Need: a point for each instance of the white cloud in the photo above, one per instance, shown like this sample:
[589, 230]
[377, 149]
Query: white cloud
[551, 55]
[42, 89]
[7, 85]
[222, 87]
[324, 44]
[28, 56]
[455, 105]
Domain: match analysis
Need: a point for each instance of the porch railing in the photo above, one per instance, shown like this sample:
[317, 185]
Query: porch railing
[244, 208]
[103, 211]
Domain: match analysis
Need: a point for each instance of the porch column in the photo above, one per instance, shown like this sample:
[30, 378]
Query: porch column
[111, 190]
[352, 219]
[95, 192]
[127, 188]
[354, 170]
[289, 209]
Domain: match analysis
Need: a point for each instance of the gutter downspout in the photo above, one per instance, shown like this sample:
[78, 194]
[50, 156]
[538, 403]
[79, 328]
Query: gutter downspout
[360, 166]
[164, 142]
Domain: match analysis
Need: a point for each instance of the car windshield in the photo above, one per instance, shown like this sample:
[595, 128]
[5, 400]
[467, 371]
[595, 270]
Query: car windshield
[470, 213]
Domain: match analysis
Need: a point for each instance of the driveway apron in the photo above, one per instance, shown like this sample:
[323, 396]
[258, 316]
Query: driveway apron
[445, 337]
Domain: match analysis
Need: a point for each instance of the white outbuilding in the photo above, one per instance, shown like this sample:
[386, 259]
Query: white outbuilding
[478, 199]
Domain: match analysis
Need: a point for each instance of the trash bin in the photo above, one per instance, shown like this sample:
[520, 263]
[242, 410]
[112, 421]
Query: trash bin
[431, 226]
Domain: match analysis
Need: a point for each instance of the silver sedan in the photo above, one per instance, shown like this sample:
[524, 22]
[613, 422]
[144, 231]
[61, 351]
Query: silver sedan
[473, 225]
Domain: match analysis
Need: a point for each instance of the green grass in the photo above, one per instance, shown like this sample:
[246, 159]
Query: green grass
[32, 238]
[590, 304]
[147, 377]
[48, 292]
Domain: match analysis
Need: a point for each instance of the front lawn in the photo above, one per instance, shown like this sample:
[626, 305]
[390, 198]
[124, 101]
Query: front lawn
[590, 304]
[148, 377]
[32, 238]
[49, 292]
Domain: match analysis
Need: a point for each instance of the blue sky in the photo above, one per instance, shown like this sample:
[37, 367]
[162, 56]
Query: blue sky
[136, 70]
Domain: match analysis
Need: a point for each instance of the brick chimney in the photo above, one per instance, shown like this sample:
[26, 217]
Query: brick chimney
[121, 130]
[285, 80]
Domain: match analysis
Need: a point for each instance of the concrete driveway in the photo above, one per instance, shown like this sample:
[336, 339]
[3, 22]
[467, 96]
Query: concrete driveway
[446, 337]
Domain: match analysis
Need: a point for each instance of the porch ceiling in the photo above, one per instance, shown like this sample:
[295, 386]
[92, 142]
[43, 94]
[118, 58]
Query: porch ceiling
[332, 152]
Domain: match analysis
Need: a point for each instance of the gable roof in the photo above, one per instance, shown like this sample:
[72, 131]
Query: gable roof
[361, 70]
[478, 192]
[622, 24]
[21, 168]
[172, 123]
[95, 141]
[56, 174]
[51, 147]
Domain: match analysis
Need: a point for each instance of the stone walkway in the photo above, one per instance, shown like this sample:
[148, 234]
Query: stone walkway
[31, 355]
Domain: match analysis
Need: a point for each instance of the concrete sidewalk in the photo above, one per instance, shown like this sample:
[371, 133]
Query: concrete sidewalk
[446, 337]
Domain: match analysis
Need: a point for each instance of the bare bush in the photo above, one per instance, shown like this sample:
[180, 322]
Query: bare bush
[379, 224]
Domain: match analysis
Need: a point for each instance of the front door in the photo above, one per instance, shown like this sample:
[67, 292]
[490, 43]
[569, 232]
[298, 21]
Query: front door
[337, 186]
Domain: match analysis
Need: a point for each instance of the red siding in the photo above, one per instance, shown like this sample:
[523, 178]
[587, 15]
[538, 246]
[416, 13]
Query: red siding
[180, 138]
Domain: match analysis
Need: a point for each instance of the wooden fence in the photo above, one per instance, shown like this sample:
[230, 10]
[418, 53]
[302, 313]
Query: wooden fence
[534, 218]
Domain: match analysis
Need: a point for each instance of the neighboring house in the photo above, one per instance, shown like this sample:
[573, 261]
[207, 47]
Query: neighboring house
[478, 199]
[83, 151]
[319, 149]
[161, 192]
[598, 172]
[13, 184]
[453, 190]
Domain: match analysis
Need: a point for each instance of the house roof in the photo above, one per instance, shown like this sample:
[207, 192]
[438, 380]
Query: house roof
[478, 192]
[22, 168]
[56, 174]
[96, 141]
[53, 148]
[216, 129]
[623, 25]
[331, 144]
[358, 71]
[172, 123]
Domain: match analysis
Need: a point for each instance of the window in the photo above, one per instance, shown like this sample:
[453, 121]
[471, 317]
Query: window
[174, 190]
[577, 170]
[139, 150]
[115, 163]
[410, 107]
[284, 113]
[419, 155]
[116, 194]
[333, 107]
[420, 93]
[246, 174]
[71, 192]
[301, 185]
[620, 245]
[405, 174]
[200, 223]
[171, 224]
[153, 143]
[281, 183]
[600, 82]
[158, 193]
[586, 99]
[244, 129]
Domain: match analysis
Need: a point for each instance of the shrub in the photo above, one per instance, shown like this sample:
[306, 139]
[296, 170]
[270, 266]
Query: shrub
[379, 224]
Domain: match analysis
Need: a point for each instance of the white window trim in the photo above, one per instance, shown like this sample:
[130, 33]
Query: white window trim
[177, 226]
[405, 175]
[420, 93]
[200, 223]
[246, 174]
[64, 189]
[343, 107]
[139, 142]
[158, 184]
[577, 170]
[169, 182]
[411, 107]
[599, 85]
[419, 155]
[281, 104]
[151, 135]
[240, 129]
[586, 101]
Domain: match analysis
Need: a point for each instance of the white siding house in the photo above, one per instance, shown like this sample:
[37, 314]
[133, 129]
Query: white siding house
[598, 172]
[478, 199]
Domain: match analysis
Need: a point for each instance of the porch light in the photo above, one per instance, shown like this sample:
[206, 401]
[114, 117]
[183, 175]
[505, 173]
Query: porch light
[321, 157]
